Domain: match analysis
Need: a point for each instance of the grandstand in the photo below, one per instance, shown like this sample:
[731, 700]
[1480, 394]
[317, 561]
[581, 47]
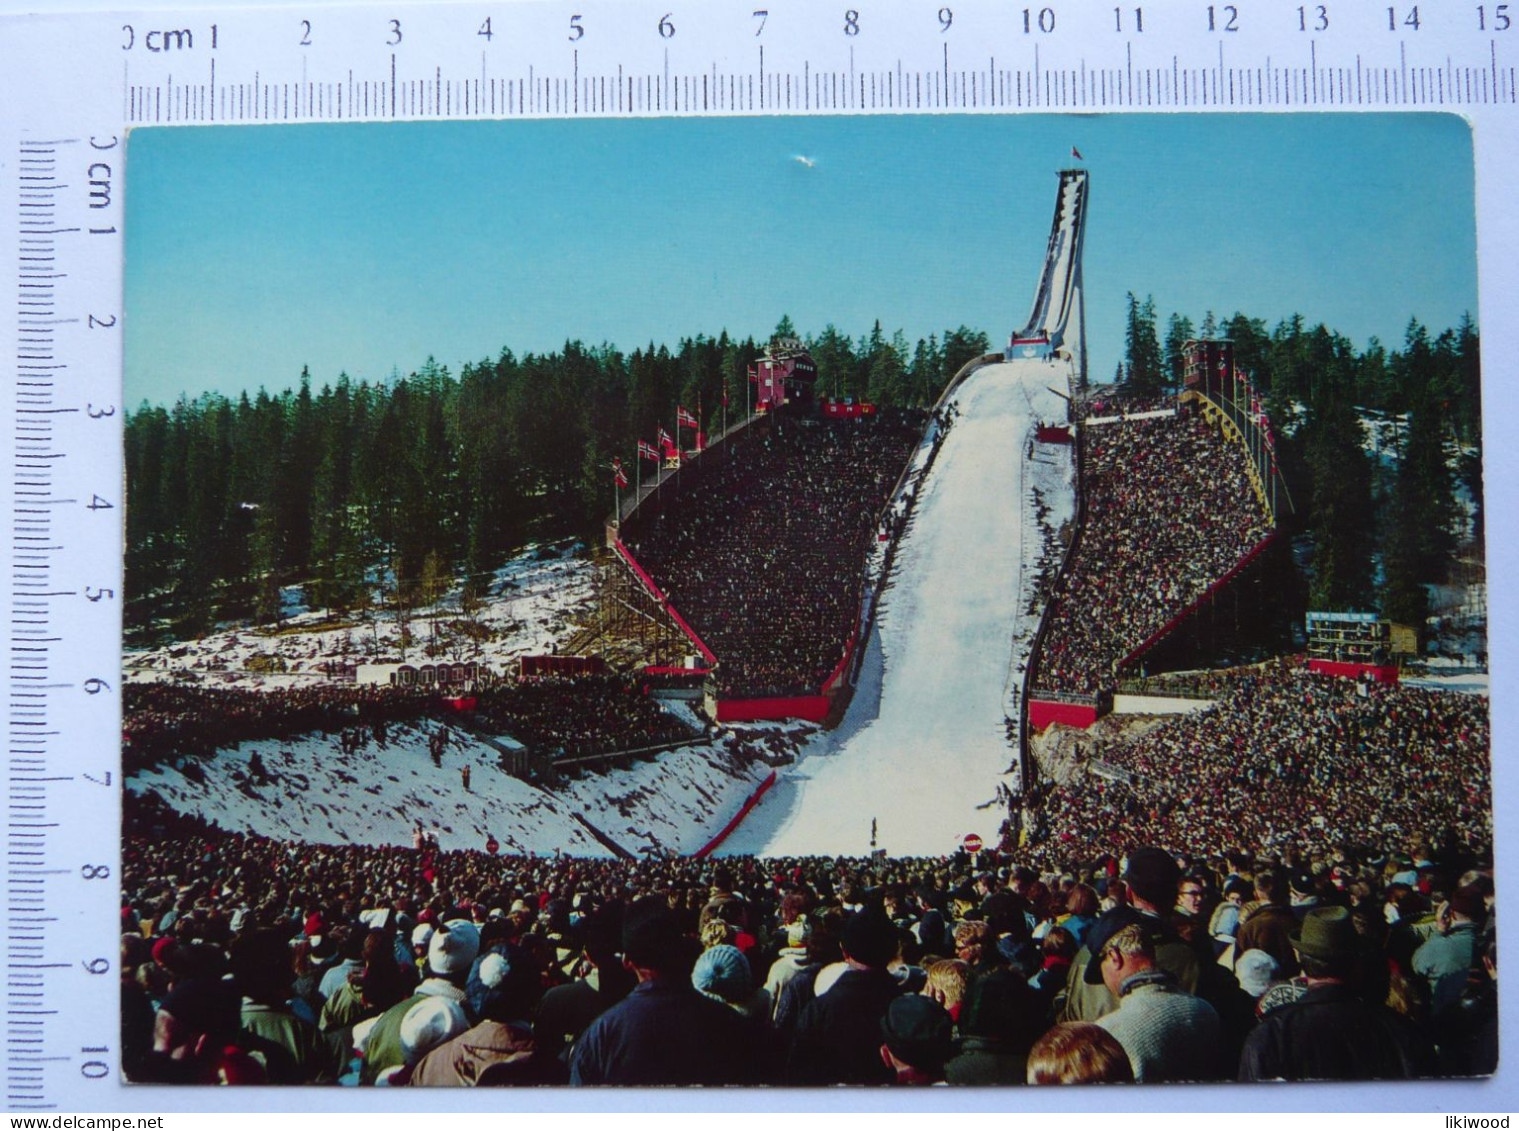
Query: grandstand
[760, 548]
[1169, 516]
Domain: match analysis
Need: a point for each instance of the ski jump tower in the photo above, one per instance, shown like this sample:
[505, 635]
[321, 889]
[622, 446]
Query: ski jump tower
[1056, 327]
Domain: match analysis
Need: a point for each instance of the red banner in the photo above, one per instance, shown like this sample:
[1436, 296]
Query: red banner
[1377, 673]
[1043, 712]
[812, 708]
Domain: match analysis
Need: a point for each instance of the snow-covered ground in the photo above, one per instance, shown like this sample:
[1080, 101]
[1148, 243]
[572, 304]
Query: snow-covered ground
[923, 748]
[316, 793]
[313, 792]
[530, 607]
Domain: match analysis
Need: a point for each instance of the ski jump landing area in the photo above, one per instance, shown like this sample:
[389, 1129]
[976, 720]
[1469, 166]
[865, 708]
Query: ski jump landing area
[923, 747]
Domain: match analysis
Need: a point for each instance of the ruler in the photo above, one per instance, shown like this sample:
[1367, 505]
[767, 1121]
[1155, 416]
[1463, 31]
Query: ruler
[72, 85]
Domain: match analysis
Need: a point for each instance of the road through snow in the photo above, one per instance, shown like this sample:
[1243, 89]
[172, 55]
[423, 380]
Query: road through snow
[924, 746]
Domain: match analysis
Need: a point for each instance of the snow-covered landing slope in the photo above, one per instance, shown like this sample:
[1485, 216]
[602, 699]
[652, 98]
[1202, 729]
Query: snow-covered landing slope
[923, 748]
[311, 791]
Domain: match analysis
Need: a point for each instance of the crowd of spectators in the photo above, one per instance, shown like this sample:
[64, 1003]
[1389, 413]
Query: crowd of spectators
[1285, 757]
[579, 716]
[1169, 511]
[248, 960]
[564, 716]
[764, 554]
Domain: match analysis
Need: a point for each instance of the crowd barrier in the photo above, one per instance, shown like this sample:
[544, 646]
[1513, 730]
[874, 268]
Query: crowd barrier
[738, 818]
[1043, 712]
[1378, 673]
[664, 602]
[1175, 622]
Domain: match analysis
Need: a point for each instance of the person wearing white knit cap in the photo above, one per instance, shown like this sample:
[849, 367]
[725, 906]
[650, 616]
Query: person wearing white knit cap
[397, 1039]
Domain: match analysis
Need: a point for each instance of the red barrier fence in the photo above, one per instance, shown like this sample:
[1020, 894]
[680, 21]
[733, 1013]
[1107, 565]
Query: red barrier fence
[561, 665]
[1379, 673]
[1053, 434]
[1172, 624]
[738, 818]
[1043, 712]
[658, 595]
[812, 708]
[844, 663]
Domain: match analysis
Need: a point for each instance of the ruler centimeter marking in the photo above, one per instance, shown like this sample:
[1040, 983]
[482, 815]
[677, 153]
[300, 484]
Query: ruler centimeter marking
[30, 624]
[56, 839]
[988, 88]
[551, 59]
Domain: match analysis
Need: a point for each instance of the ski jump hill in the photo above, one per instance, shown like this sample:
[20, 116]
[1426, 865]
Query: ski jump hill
[932, 747]
[927, 751]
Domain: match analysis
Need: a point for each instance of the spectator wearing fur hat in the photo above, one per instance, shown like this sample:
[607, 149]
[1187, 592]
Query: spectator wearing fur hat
[196, 1039]
[838, 1035]
[289, 1046]
[603, 981]
[664, 1032]
[1328, 1033]
[1000, 1020]
[435, 1013]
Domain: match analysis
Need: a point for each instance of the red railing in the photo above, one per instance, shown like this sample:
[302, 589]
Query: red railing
[664, 602]
[738, 818]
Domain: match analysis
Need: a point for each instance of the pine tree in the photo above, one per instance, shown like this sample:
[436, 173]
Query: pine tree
[1146, 376]
[1178, 332]
[1342, 518]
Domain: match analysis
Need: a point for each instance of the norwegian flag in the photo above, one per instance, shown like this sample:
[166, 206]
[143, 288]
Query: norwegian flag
[664, 439]
[619, 476]
[725, 396]
[754, 374]
[646, 451]
[684, 419]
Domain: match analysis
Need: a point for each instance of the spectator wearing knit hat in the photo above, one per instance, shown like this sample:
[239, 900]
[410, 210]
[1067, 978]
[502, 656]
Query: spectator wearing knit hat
[502, 1040]
[917, 1039]
[790, 961]
[435, 1013]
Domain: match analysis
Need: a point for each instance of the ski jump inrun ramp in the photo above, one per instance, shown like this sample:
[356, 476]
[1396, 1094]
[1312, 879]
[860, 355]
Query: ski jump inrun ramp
[923, 753]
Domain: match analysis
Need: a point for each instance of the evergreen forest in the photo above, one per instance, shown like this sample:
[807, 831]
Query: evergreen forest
[1377, 532]
[397, 489]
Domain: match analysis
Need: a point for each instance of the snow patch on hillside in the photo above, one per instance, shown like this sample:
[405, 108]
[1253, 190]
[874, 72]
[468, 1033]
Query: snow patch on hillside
[310, 791]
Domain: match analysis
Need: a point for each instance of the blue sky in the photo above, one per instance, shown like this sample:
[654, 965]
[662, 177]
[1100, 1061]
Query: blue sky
[252, 251]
